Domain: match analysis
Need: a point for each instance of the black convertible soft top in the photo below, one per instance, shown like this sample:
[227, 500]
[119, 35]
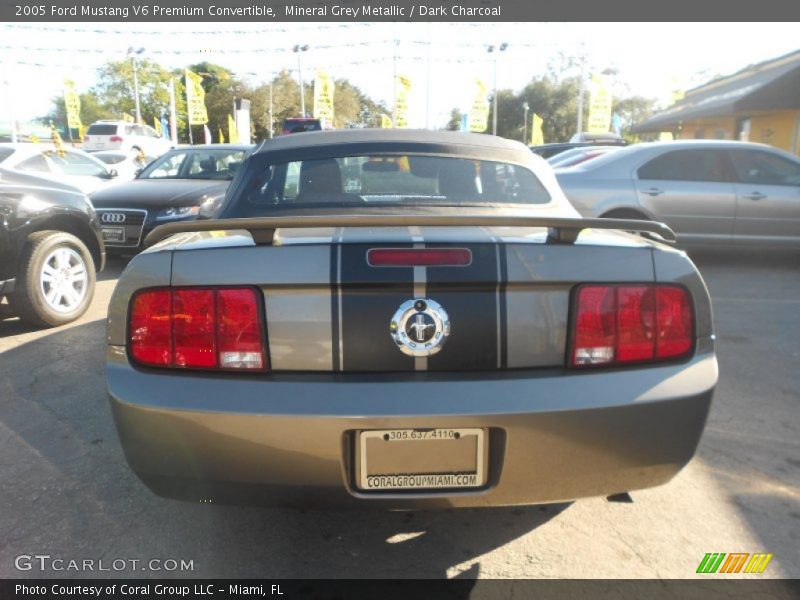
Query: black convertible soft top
[338, 137]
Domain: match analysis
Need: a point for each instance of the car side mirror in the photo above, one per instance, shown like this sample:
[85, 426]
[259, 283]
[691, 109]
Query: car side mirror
[112, 173]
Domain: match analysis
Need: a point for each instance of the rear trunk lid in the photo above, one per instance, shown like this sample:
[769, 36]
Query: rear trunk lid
[327, 309]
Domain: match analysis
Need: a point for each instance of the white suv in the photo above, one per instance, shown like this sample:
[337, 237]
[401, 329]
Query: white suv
[128, 137]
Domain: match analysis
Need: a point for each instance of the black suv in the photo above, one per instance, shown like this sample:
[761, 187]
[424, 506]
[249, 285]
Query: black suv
[50, 249]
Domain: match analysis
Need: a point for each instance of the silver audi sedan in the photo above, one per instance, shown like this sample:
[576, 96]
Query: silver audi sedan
[708, 192]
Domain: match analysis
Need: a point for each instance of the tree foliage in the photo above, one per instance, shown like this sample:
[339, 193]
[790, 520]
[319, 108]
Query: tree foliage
[556, 101]
[113, 97]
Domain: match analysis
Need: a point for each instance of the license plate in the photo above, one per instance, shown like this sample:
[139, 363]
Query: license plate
[421, 459]
[113, 234]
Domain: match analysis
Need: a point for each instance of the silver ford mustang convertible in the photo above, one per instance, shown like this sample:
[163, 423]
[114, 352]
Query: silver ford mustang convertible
[407, 319]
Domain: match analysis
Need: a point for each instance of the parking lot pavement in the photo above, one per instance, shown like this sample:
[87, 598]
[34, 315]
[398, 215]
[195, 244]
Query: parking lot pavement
[68, 493]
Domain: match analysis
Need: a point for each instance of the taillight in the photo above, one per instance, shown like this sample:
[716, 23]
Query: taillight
[422, 257]
[116, 138]
[623, 324]
[198, 328]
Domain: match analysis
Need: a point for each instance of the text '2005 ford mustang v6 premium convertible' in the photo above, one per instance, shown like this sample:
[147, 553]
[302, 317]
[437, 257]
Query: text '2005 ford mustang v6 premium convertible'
[407, 319]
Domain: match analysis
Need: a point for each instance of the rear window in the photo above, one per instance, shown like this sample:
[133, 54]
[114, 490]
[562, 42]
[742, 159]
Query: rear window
[102, 129]
[301, 125]
[399, 179]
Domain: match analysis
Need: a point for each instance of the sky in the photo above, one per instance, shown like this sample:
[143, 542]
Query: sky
[441, 59]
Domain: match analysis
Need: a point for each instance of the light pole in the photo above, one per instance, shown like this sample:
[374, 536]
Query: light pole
[581, 93]
[496, 50]
[132, 53]
[7, 85]
[526, 107]
[297, 50]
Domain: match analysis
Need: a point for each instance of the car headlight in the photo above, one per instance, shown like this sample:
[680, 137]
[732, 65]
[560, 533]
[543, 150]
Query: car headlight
[177, 212]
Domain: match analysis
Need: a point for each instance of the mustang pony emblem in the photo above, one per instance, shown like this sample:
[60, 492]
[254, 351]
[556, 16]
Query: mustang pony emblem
[420, 327]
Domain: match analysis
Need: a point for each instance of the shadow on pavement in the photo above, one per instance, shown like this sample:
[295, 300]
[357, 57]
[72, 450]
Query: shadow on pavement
[69, 493]
[752, 439]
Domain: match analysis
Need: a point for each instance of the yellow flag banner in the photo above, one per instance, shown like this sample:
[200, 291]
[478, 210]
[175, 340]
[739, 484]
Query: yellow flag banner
[221, 137]
[665, 136]
[157, 127]
[195, 99]
[599, 120]
[57, 141]
[233, 134]
[402, 86]
[386, 122]
[128, 118]
[479, 112]
[537, 135]
[323, 96]
[73, 104]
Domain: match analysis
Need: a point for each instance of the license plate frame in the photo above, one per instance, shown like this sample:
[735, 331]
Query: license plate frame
[119, 234]
[432, 481]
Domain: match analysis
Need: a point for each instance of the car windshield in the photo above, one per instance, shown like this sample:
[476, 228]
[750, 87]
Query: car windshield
[384, 179]
[196, 164]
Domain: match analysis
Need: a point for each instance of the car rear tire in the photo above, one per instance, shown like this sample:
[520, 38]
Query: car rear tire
[56, 279]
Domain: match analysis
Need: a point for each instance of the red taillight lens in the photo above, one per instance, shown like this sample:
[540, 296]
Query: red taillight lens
[675, 322]
[239, 329]
[116, 138]
[193, 328]
[151, 328]
[199, 328]
[621, 324]
[419, 257]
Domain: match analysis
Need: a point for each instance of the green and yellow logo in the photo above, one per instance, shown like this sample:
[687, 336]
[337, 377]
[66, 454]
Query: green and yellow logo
[735, 562]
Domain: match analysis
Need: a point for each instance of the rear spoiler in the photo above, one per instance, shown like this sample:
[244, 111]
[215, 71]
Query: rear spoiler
[560, 230]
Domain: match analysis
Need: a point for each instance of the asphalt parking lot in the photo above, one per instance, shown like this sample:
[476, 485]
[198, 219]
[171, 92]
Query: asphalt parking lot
[67, 492]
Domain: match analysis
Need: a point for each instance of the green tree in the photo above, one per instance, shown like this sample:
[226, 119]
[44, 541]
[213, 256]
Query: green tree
[454, 124]
[222, 89]
[115, 90]
[633, 110]
[91, 110]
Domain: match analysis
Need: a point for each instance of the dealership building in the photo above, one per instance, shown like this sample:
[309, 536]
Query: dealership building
[760, 103]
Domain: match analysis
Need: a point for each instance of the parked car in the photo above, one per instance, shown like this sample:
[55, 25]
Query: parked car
[709, 192]
[606, 138]
[576, 156]
[51, 248]
[301, 125]
[184, 184]
[550, 150]
[69, 166]
[128, 137]
[445, 331]
[127, 165]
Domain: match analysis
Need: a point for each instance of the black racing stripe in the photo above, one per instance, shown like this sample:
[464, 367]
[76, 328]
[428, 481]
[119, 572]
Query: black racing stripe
[469, 296]
[335, 304]
[370, 297]
[503, 308]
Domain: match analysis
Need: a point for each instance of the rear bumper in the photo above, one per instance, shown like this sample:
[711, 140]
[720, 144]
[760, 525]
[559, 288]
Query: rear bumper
[289, 439]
